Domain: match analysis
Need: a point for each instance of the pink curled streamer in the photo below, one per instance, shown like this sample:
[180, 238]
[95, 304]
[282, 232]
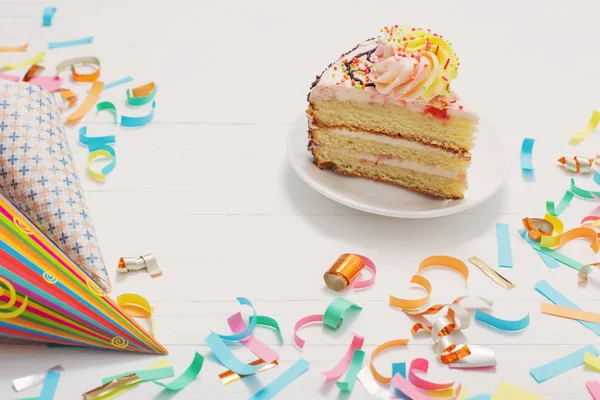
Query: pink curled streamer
[252, 343]
[366, 282]
[421, 364]
[305, 321]
[342, 366]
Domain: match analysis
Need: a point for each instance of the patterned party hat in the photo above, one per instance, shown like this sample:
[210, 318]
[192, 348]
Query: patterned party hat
[45, 297]
[37, 174]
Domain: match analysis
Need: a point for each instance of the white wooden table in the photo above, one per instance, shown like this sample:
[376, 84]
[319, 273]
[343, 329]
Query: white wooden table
[207, 187]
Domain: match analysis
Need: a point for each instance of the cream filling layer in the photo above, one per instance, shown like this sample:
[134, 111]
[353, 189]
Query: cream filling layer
[388, 140]
[395, 162]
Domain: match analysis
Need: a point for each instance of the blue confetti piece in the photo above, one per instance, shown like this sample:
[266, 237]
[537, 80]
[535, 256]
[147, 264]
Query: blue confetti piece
[562, 365]
[526, 158]
[505, 258]
[121, 81]
[50, 385]
[290, 375]
[69, 43]
[549, 261]
[48, 15]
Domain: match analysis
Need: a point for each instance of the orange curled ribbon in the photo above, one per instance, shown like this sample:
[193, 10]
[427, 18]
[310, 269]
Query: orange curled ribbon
[33, 71]
[445, 261]
[437, 307]
[88, 103]
[413, 304]
[15, 48]
[576, 233]
[80, 60]
[68, 96]
[392, 343]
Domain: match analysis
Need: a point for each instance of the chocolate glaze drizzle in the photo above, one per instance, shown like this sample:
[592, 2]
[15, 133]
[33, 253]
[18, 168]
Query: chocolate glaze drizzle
[348, 65]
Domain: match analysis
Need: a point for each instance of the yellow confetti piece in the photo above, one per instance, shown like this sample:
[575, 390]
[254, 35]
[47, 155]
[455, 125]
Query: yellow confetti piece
[34, 60]
[509, 391]
[558, 225]
[449, 393]
[135, 305]
[591, 361]
[588, 130]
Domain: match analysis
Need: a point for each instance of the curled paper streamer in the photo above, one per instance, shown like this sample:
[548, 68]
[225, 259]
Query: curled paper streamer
[69, 43]
[67, 95]
[34, 60]
[575, 233]
[578, 165]
[14, 48]
[586, 194]
[48, 15]
[491, 273]
[384, 346]
[251, 325]
[556, 223]
[30, 381]
[551, 253]
[188, 376]
[305, 321]
[50, 385]
[526, 158]
[263, 320]
[562, 205]
[537, 227]
[571, 313]
[226, 357]
[582, 276]
[350, 379]
[591, 361]
[147, 262]
[229, 376]
[88, 103]
[137, 306]
[342, 366]
[588, 130]
[33, 71]
[135, 122]
[508, 391]
[100, 152]
[593, 388]
[334, 314]
[422, 365]
[401, 384]
[480, 357]
[502, 324]
[118, 82]
[562, 365]
[445, 261]
[595, 220]
[251, 342]
[445, 325]
[437, 307]
[557, 298]
[94, 142]
[371, 386]
[346, 268]
[290, 375]
[596, 176]
[72, 62]
[141, 95]
[504, 250]
[413, 304]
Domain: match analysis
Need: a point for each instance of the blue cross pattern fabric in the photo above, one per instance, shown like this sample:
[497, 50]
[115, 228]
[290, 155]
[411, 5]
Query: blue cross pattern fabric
[38, 176]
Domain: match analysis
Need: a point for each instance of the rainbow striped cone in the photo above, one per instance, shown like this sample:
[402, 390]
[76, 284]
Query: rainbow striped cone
[45, 297]
[38, 176]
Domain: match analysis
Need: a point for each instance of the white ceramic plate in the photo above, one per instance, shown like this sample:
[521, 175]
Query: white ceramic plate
[489, 168]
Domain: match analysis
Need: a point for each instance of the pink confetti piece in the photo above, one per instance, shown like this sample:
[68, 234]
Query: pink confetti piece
[50, 83]
[422, 365]
[366, 282]
[305, 321]
[342, 366]
[594, 388]
[252, 343]
[9, 77]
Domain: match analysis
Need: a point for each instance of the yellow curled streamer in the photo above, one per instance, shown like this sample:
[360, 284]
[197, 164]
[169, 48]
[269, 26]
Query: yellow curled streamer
[445, 261]
[12, 298]
[91, 157]
[392, 343]
[575, 233]
[34, 60]
[558, 225]
[416, 303]
[135, 305]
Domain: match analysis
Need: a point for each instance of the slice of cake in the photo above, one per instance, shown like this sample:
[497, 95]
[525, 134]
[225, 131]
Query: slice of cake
[386, 111]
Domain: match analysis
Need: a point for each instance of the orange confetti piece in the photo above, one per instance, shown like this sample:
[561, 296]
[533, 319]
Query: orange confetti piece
[88, 103]
[416, 303]
[445, 261]
[392, 343]
[6, 49]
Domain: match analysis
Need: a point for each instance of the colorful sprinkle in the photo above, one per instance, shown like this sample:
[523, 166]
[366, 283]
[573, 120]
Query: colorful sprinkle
[461, 107]
[447, 62]
[444, 78]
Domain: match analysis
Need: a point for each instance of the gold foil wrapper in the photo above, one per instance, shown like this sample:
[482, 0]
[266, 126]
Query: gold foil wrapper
[537, 227]
[229, 376]
[496, 277]
[111, 386]
[343, 271]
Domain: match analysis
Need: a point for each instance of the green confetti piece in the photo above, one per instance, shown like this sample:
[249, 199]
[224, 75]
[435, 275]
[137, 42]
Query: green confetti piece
[350, 379]
[586, 194]
[562, 205]
[145, 375]
[188, 376]
[333, 316]
[269, 322]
